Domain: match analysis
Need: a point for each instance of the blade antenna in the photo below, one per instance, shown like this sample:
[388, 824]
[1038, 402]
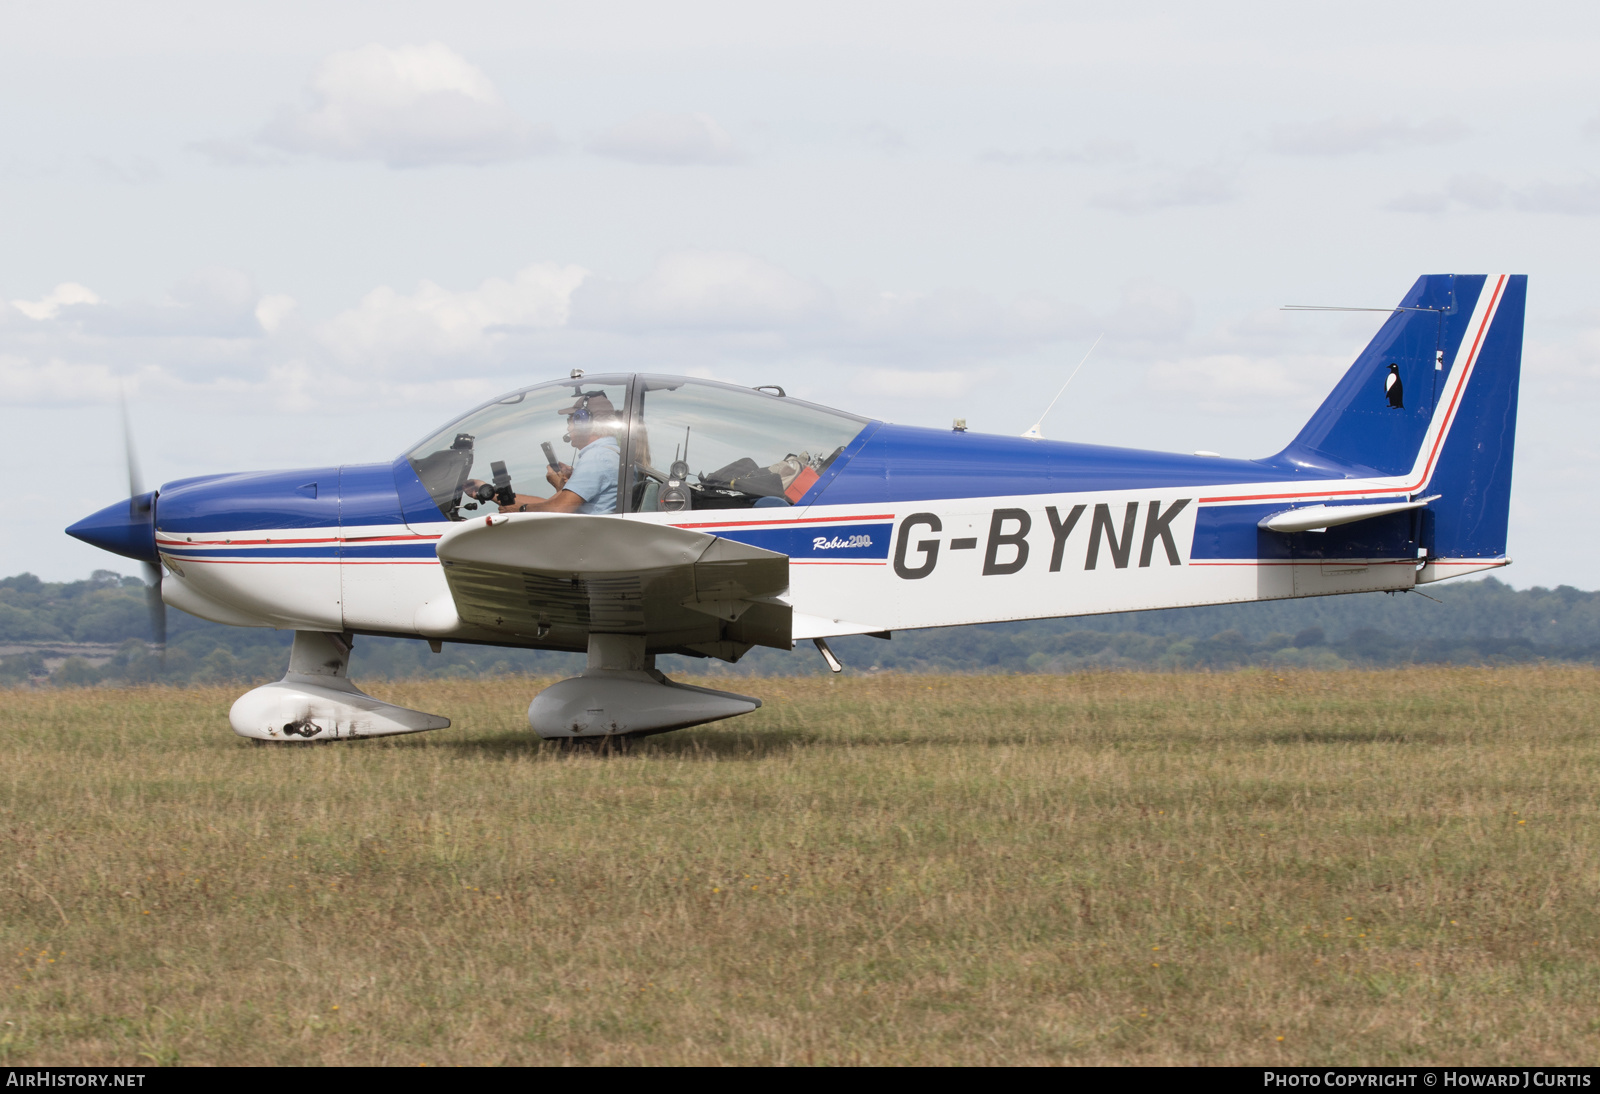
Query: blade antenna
[1036, 432]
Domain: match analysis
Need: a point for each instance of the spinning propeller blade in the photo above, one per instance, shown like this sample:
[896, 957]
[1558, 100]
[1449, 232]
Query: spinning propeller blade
[139, 506]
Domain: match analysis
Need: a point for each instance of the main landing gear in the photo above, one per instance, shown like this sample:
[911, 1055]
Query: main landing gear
[619, 695]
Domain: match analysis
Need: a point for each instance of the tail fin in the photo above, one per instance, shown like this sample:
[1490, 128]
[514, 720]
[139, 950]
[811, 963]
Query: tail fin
[1454, 349]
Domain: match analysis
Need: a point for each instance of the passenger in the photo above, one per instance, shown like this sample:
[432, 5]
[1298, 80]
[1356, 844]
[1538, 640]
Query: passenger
[590, 485]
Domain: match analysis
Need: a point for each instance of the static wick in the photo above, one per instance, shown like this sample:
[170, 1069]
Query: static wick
[1036, 432]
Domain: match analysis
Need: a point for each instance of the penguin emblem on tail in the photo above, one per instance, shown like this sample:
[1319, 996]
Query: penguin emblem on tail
[1393, 388]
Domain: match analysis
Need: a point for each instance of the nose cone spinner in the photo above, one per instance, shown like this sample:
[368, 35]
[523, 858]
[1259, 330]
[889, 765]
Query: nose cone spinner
[127, 528]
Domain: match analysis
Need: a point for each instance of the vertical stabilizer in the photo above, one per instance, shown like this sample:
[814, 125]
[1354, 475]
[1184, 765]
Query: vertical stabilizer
[1356, 430]
[1431, 406]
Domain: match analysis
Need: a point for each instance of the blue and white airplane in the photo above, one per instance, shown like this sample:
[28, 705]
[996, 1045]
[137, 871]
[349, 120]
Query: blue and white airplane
[701, 518]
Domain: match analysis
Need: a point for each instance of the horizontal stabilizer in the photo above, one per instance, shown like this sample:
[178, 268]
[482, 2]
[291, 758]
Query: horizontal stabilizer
[556, 578]
[1313, 518]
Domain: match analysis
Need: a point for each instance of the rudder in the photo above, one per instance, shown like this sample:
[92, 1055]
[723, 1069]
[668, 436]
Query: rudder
[1465, 530]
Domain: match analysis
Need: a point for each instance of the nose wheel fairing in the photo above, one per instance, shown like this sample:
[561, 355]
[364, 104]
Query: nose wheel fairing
[315, 700]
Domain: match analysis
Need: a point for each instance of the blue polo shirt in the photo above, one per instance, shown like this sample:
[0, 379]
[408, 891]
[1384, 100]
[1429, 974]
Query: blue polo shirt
[594, 475]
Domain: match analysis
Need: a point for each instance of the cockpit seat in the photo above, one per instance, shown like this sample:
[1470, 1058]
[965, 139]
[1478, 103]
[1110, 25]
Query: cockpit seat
[747, 477]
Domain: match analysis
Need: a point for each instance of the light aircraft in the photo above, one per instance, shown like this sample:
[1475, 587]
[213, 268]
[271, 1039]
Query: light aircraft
[701, 518]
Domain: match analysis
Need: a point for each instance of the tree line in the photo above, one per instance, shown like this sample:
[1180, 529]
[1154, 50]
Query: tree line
[47, 626]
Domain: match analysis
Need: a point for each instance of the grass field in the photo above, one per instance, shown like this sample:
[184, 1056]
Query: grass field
[1396, 867]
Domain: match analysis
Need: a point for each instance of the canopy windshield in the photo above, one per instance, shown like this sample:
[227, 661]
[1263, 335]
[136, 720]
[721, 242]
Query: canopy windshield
[504, 441]
[678, 445]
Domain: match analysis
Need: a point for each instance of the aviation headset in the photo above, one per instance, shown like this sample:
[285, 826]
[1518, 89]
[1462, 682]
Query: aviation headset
[581, 416]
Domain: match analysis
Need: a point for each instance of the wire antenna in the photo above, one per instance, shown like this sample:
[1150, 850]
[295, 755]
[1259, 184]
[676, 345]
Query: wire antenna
[1036, 432]
[1323, 307]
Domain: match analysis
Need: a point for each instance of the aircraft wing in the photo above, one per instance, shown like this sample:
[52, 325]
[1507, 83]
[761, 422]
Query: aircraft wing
[556, 577]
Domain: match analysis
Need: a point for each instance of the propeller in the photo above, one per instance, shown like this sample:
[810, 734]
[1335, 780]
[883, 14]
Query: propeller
[140, 506]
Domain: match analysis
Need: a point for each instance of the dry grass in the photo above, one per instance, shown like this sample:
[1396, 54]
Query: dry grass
[1246, 868]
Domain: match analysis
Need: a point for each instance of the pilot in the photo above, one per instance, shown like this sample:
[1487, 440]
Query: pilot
[590, 484]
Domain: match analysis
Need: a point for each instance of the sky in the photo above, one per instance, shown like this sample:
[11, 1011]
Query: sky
[301, 235]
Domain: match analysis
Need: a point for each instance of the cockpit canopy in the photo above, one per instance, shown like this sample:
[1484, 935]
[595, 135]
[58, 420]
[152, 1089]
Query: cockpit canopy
[680, 444]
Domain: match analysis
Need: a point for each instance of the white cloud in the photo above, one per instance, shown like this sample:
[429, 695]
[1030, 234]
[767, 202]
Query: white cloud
[63, 295]
[408, 106]
[692, 310]
[205, 332]
[388, 329]
[726, 290]
[1345, 136]
[1235, 383]
[1169, 188]
[216, 336]
[673, 140]
[1263, 364]
[272, 312]
[301, 386]
[895, 383]
[215, 302]
[55, 381]
[738, 306]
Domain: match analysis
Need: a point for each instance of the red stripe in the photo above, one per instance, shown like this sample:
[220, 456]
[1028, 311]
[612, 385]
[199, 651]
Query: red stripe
[379, 539]
[1318, 562]
[256, 562]
[182, 543]
[386, 562]
[304, 562]
[797, 520]
[831, 562]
